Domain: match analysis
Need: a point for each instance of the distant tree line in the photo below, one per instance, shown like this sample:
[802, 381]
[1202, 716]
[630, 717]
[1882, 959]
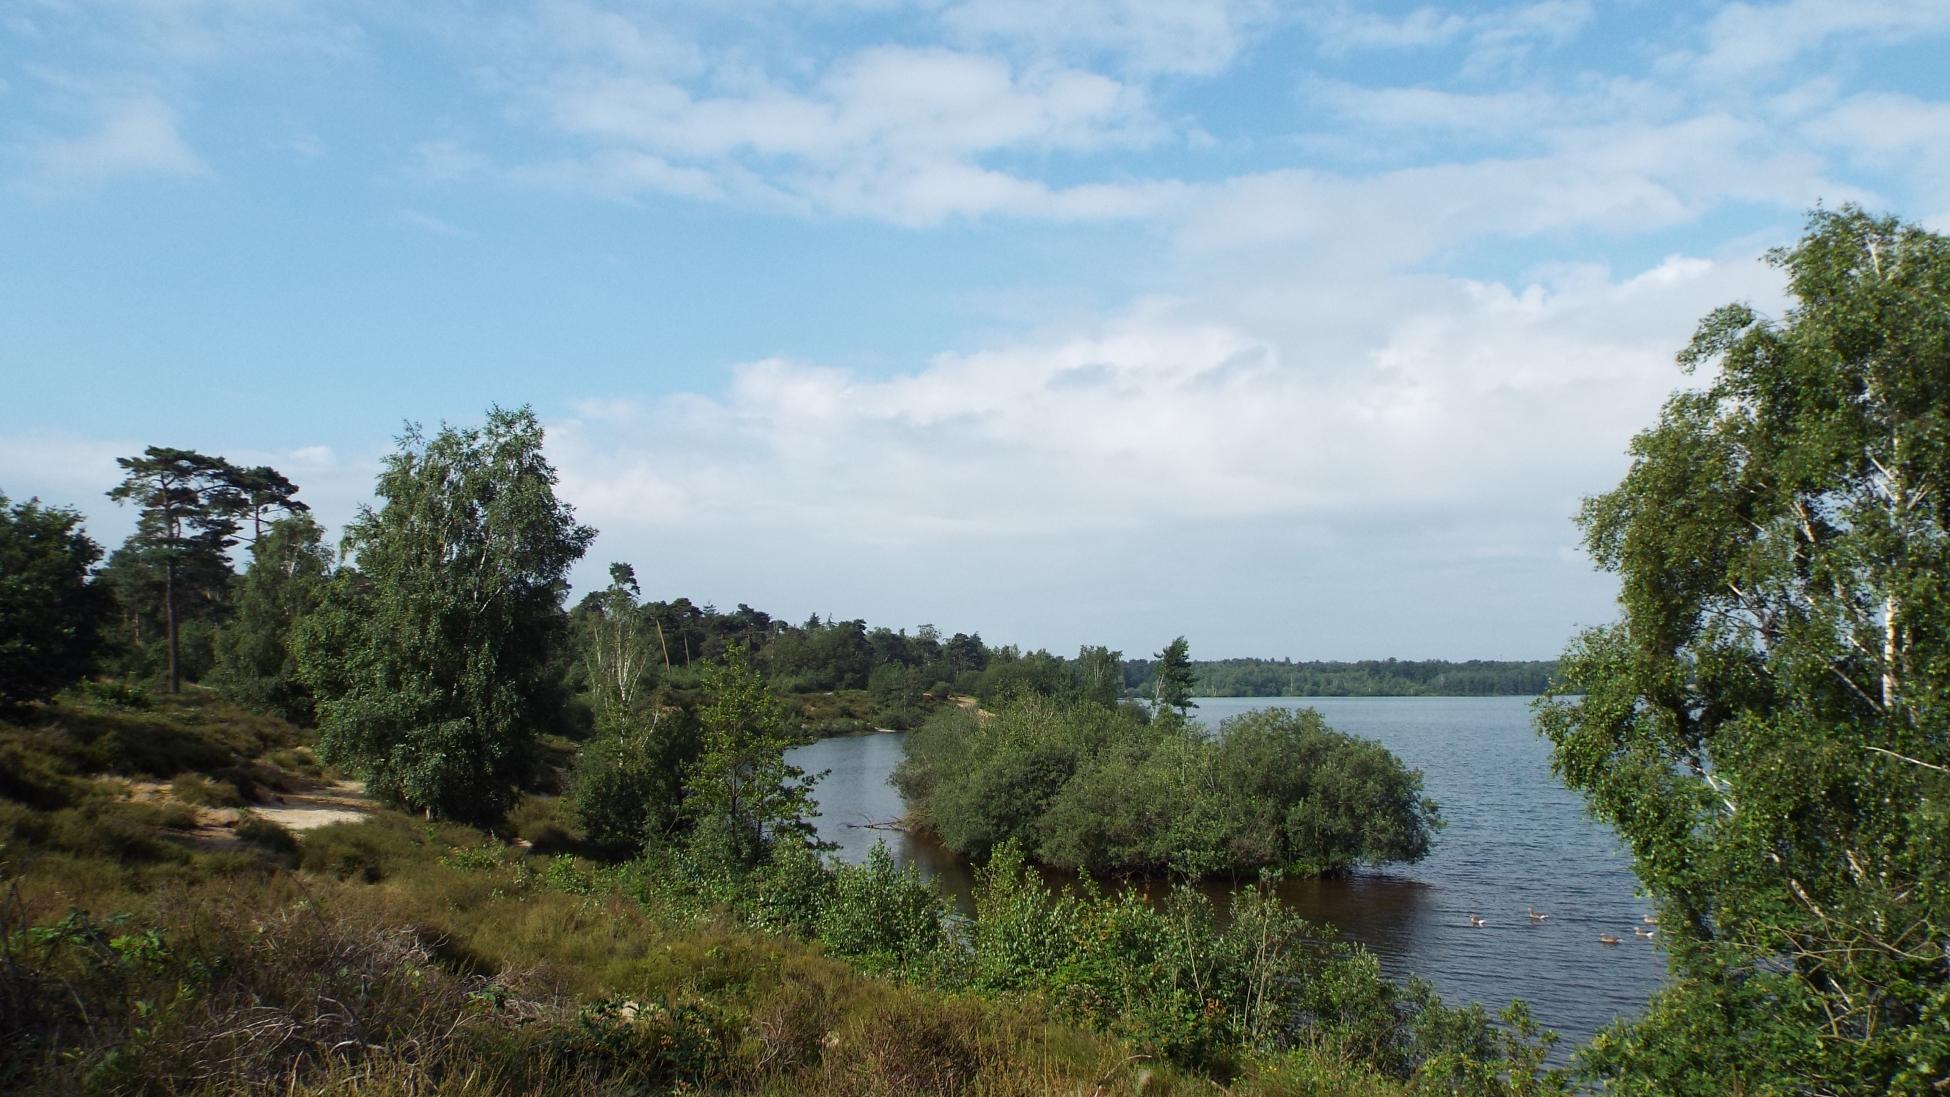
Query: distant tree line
[1363, 678]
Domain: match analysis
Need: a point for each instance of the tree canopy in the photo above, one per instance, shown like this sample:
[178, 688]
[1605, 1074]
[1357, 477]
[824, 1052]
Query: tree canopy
[188, 504]
[256, 663]
[431, 663]
[1173, 687]
[742, 797]
[1765, 726]
[1088, 786]
[50, 615]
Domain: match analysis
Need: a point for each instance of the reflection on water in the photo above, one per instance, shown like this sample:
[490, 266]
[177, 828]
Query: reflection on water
[1514, 838]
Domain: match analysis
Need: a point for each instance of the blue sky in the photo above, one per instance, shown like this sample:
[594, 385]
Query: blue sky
[1299, 329]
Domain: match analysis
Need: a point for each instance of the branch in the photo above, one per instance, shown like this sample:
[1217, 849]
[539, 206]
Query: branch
[1911, 761]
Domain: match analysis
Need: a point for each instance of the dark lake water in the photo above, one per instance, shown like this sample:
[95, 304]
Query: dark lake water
[1515, 838]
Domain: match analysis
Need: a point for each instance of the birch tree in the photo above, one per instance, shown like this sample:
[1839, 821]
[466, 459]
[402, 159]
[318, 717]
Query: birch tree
[1768, 724]
[430, 660]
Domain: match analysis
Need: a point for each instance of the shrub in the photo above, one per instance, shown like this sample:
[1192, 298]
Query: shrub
[266, 835]
[882, 917]
[1085, 786]
[204, 792]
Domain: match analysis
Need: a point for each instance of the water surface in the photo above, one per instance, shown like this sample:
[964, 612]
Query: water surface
[1514, 838]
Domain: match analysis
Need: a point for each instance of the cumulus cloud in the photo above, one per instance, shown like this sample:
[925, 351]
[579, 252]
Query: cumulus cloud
[1453, 393]
[1378, 436]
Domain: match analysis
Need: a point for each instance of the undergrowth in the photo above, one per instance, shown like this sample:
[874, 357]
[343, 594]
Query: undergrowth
[395, 956]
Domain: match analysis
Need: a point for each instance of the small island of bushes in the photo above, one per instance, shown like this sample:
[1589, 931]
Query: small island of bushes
[1104, 789]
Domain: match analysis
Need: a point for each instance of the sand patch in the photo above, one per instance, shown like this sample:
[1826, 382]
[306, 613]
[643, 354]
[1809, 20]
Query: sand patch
[342, 802]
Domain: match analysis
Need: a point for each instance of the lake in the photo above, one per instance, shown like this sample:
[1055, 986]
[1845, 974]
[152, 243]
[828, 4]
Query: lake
[1514, 837]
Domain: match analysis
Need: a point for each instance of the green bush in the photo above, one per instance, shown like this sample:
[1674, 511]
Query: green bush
[627, 788]
[1086, 786]
[882, 917]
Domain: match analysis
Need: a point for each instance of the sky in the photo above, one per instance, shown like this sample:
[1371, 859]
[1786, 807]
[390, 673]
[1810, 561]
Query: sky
[1300, 330]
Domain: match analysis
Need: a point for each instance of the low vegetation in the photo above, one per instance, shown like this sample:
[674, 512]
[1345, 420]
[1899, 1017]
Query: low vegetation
[1106, 789]
[400, 956]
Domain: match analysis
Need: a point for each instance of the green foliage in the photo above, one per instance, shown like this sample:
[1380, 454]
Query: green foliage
[741, 796]
[189, 506]
[1180, 980]
[50, 616]
[256, 664]
[1089, 787]
[618, 648]
[1765, 725]
[1364, 678]
[628, 785]
[1100, 675]
[431, 665]
[882, 917]
[1172, 688]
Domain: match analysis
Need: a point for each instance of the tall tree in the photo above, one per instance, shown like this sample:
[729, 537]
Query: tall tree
[1100, 674]
[741, 795]
[431, 664]
[619, 647]
[1174, 684]
[260, 491]
[188, 516]
[1765, 725]
[49, 613]
[256, 660]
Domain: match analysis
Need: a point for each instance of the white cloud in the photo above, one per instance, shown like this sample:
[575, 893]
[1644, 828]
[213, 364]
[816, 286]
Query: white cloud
[1619, 178]
[1153, 36]
[1370, 431]
[1887, 128]
[884, 102]
[1284, 405]
[428, 223]
[1492, 40]
[444, 160]
[893, 132]
[1745, 40]
[137, 135]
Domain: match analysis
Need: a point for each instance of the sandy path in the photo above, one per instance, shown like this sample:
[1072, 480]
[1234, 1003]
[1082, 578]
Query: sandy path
[343, 802]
